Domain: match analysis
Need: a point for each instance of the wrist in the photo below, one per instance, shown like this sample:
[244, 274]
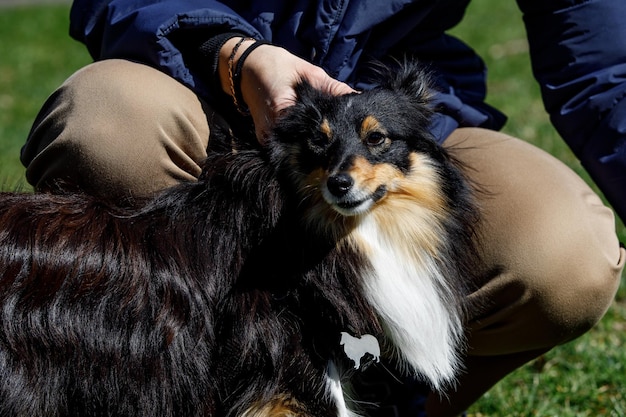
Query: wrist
[229, 56]
[208, 58]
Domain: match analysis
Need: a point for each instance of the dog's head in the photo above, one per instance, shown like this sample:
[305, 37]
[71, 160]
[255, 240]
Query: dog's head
[348, 153]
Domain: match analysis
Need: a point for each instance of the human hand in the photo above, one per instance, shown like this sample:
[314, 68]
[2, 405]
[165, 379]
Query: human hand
[269, 75]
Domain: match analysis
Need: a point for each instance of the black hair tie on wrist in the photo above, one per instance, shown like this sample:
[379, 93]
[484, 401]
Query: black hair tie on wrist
[237, 76]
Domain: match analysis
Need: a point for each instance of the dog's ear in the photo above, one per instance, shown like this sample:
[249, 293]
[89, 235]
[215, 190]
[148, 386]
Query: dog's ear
[305, 97]
[295, 122]
[306, 102]
[306, 94]
[409, 77]
[308, 105]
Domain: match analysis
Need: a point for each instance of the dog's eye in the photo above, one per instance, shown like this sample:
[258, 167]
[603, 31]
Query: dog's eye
[375, 139]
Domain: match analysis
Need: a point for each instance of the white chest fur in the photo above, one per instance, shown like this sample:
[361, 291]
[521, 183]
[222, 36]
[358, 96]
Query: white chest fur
[411, 296]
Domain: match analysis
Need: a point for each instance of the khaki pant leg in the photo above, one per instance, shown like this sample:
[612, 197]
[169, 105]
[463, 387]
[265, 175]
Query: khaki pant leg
[120, 129]
[552, 261]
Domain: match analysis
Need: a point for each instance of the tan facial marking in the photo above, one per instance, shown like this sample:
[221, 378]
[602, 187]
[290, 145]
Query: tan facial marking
[415, 208]
[370, 177]
[371, 124]
[326, 129]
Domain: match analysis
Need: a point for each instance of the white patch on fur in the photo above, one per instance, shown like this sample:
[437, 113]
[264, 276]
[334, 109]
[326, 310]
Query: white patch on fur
[333, 383]
[406, 293]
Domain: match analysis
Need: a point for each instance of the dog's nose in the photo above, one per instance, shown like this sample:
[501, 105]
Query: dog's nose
[339, 184]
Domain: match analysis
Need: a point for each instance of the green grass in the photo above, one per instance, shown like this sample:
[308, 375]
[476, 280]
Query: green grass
[37, 54]
[583, 378]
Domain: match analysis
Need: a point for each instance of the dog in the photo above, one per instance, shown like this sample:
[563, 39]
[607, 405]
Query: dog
[229, 296]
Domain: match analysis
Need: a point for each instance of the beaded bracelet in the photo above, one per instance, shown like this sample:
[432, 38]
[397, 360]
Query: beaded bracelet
[231, 64]
[235, 76]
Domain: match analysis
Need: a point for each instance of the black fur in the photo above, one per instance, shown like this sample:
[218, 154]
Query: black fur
[211, 298]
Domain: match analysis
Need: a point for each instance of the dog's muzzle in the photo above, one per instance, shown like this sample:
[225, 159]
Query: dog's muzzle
[347, 198]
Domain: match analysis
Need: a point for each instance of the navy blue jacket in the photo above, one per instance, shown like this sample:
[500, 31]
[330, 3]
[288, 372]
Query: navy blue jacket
[578, 51]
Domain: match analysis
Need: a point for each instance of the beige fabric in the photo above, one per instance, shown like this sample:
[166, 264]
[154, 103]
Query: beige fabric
[549, 245]
[118, 128]
[552, 262]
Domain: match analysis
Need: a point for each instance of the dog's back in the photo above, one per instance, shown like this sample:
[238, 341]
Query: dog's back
[171, 308]
[95, 313]
[115, 311]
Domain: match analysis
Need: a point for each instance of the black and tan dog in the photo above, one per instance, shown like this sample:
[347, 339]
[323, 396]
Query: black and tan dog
[237, 295]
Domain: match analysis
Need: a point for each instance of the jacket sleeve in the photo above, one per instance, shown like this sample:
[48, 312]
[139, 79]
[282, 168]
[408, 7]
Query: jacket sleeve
[163, 34]
[578, 52]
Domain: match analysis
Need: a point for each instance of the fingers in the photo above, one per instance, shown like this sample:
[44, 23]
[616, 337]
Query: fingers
[268, 81]
[335, 88]
[319, 79]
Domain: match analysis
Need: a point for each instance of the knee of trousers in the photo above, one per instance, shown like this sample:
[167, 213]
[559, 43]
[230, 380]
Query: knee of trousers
[542, 306]
[118, 128]
[552, 259]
